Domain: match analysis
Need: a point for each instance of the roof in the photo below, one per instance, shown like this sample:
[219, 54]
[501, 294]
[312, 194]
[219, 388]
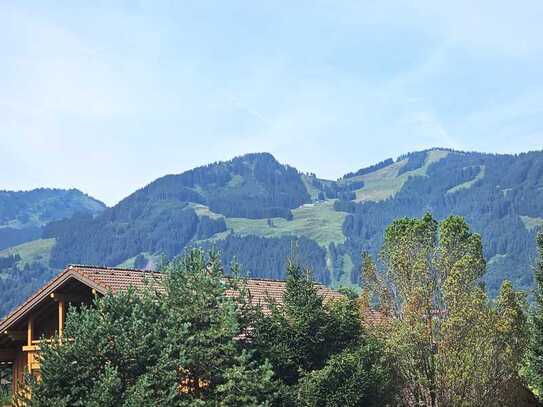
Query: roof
[112, 279]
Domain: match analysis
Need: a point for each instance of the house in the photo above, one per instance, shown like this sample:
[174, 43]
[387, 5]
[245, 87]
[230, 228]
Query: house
[43, 314]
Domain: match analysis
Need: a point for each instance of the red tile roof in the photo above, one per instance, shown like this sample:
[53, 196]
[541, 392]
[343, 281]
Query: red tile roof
[117, 279]
[105, 279]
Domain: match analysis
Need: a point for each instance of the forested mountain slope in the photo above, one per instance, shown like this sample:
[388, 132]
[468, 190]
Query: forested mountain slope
[501, 196]
[259, 211]
[24, 256]
[24, 213]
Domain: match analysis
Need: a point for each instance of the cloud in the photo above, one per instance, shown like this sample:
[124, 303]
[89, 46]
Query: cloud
[122, 95]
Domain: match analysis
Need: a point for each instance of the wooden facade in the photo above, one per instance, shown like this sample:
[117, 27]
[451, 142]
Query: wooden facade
[42, 316]
[39, 318]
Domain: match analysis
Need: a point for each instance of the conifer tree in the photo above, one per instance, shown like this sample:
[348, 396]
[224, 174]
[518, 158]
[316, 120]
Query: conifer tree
[319, 349]
[176, 346]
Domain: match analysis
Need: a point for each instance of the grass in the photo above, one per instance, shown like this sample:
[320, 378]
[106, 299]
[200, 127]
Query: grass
[319, 222]
[531, 223]
[35, 251]
[311, 190]
[202, 210]
[470, 183]
[385, 183]
[344, 280]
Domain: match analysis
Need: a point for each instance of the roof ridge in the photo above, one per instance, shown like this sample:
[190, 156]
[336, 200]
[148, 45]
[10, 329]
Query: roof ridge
[95, 267]
[278, 280]
[256, 278]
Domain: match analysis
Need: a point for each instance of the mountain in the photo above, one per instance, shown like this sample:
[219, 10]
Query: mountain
[24, 213]
[258, 211]
[501, 196]
[24, 255]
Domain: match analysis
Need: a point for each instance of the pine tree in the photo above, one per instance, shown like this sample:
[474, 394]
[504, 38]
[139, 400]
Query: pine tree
[310, 341]
[173, 347]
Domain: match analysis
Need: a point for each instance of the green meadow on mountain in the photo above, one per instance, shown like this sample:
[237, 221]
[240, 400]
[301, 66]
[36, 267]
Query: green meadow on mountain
[23, 214]
[259, 211]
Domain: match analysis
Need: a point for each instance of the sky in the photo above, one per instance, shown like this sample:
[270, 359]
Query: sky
[106, 96]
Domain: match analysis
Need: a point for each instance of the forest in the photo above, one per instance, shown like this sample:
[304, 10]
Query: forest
[421, 332]
[260, 211]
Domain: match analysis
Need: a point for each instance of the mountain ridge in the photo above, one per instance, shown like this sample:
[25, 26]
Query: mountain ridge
[260, 211]
[24, 213]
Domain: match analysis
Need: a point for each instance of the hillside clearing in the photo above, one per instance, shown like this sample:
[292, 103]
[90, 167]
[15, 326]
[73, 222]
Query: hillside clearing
[37, 250]
[386, 182]
[470, 183]
[319, 222]
[531, 223]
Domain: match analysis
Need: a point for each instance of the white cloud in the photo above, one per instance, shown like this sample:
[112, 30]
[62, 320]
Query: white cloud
[107, 98]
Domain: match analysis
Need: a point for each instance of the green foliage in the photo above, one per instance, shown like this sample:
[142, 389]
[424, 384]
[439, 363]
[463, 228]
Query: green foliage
[414, 161]
[37, 250]
[494, 203]
[248, 383]
[256, 197]
[23, 214]
[307, 340]
[5, 385]
[370, 169]
[249, 250]
[123, 232]
[23, 269]
[534, 368]
[161, 217]
[18, 282]
[319, 222]
[301, 334]
[451, 345]
[358, 377]
[158, 348]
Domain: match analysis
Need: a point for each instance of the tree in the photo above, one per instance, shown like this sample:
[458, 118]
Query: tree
[534, 369]
[307, 339]
[303, 332]
[354, 377]
[178, 345]
[451, 345]
[5, 386]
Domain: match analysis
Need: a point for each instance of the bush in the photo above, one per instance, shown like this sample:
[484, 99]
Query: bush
[359, 377]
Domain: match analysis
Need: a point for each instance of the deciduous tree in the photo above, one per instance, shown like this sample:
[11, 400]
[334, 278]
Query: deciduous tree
[451, 344]
[534, 370]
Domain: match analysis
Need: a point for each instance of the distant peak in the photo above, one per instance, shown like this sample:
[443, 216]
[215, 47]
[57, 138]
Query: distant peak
[256, 157]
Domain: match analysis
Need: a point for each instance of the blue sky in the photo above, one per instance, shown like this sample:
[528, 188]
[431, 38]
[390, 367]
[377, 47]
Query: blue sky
[109, 96]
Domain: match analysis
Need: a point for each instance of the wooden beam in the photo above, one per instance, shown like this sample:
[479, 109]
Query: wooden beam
[30, 330]
[61, 315]
[29, 337]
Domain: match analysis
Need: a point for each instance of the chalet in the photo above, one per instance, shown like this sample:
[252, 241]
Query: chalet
[42, 315]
